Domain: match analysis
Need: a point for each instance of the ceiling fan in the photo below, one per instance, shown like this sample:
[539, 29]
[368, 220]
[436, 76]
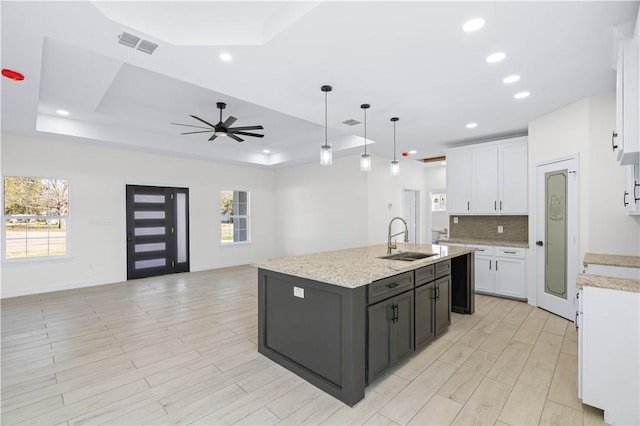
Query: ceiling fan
[223, 129]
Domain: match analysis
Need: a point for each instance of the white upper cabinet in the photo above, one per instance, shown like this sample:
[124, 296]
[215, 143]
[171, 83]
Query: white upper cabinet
[484, 179]
[488, 178]
[625, 139]
[458, 189]
[512, 183]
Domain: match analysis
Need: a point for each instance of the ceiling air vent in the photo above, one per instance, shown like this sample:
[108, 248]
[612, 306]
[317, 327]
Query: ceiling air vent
[137, 43]
[351, 122]
[147, 47]
[128, 39]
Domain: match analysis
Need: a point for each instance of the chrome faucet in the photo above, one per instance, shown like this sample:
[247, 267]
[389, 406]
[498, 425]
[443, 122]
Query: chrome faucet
[405, 232]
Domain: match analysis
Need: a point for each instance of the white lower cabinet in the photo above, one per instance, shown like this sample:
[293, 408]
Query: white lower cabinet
[609, 353]
[632, 191]
[501, 271]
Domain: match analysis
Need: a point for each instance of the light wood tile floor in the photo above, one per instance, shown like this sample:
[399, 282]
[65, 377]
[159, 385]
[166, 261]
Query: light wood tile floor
[181, 349]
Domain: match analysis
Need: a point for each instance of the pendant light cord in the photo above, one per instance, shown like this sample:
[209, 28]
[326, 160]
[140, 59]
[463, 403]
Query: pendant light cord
[394, 141]
[365, 131]
[325, 118]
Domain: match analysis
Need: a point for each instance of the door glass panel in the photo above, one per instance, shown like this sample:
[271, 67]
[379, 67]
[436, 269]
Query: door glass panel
[181, 227]
[141, 248]
[144, 198]
[149, 215]
[156, 230]
[555, 271]
[150, 263]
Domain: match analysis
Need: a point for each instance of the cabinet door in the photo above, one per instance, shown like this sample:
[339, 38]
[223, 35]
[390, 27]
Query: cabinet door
[632, 191]
[484, 180]
[443, 304]
[510, 277]
[630, 113]
[425, 330]
[379, 338]
[458, 189]
[402, 328]
[485, 274]
[512, 182]
[617, 137]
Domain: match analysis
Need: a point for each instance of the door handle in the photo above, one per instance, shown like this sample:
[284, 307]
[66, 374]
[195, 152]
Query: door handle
[489, 265]
[467, 206]
[496, 265]
[495, 205]
[129, 238]
[624, 199]
[539, 243]
[613, 136]
[500, 205]
[395, 312]
[635, 185]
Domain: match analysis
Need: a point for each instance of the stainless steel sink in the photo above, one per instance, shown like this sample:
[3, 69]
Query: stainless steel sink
[408, 256]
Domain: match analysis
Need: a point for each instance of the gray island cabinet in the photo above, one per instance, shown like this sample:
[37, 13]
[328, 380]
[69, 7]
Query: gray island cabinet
[343, 318]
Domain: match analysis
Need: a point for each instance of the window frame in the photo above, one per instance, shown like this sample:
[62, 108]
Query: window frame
[232, 216]
[47, 217]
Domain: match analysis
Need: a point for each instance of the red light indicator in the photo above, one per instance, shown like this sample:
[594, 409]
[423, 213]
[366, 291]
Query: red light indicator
[13, 75]
[405, 154]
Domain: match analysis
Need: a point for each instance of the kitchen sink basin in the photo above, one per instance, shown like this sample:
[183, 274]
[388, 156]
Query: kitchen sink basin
[408, 256]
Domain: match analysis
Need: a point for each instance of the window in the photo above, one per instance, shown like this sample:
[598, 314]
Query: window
[234, 209]
[35, 217]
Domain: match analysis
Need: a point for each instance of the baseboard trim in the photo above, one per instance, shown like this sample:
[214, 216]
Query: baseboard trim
[31, 292]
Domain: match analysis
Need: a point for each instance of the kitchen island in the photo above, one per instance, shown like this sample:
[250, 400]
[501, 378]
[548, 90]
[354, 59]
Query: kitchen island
[341, 319]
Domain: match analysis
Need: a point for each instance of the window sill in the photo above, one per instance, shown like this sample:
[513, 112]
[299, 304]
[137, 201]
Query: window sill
[233, 244]
[31, 260]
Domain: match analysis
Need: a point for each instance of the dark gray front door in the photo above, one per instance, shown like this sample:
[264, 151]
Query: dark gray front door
[157, 231]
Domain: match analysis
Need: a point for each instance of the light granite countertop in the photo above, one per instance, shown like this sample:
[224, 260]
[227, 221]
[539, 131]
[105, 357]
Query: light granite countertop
[459, 240]
[612, 260]
[624, 284]
[360, 266]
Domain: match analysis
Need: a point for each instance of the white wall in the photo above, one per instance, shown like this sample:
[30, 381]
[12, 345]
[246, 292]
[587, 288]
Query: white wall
[321, 208]
[97, 178]
[585, 128]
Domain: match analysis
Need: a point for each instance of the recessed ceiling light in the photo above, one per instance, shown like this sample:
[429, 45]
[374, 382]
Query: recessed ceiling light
[266, 151]
[413, 151]
[496, 57]
[473, 25]
[471, 125]
[62, 112]
[511, 79]
[521, 95]
[225, 57]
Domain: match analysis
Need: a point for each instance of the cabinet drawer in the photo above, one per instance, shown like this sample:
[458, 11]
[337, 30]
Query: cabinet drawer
[483, 250]
[516, 252]
[425, 275]
[443, 268]
[388, 287]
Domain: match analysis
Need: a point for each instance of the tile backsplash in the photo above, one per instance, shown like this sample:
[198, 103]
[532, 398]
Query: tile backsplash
[515, 228]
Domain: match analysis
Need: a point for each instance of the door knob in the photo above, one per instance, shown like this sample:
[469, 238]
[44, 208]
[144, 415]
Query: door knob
[539, 243]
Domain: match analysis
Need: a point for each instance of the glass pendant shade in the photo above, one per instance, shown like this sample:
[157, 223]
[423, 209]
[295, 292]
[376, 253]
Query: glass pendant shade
[395, 168]
[365, 163]
[326, 155]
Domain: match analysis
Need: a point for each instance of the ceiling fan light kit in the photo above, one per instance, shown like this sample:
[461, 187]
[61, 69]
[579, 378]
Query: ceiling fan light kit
[223, 128]
[326, 153]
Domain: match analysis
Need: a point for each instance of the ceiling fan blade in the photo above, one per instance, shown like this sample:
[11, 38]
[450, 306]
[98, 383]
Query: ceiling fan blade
[234, 137]
[247, 128]
[228, 122]
[213, 137]
[255, 135]
[189, 125]
[200, 119]
[200, 131]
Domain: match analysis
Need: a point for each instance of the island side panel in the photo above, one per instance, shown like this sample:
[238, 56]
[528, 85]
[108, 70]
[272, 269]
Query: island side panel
[320, 337]
[463, 284]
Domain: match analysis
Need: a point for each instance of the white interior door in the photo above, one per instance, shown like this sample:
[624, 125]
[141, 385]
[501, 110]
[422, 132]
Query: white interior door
[410, 213]
[557, 244]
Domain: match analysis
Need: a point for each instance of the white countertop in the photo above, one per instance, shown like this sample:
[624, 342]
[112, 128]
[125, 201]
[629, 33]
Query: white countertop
[360, 266]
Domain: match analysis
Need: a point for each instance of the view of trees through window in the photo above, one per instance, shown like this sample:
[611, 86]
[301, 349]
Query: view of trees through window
[234, 212]
[35, 217]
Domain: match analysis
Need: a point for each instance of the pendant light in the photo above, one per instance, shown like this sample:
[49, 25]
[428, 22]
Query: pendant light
[365, 159]
[395, 165]
[326, 155]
